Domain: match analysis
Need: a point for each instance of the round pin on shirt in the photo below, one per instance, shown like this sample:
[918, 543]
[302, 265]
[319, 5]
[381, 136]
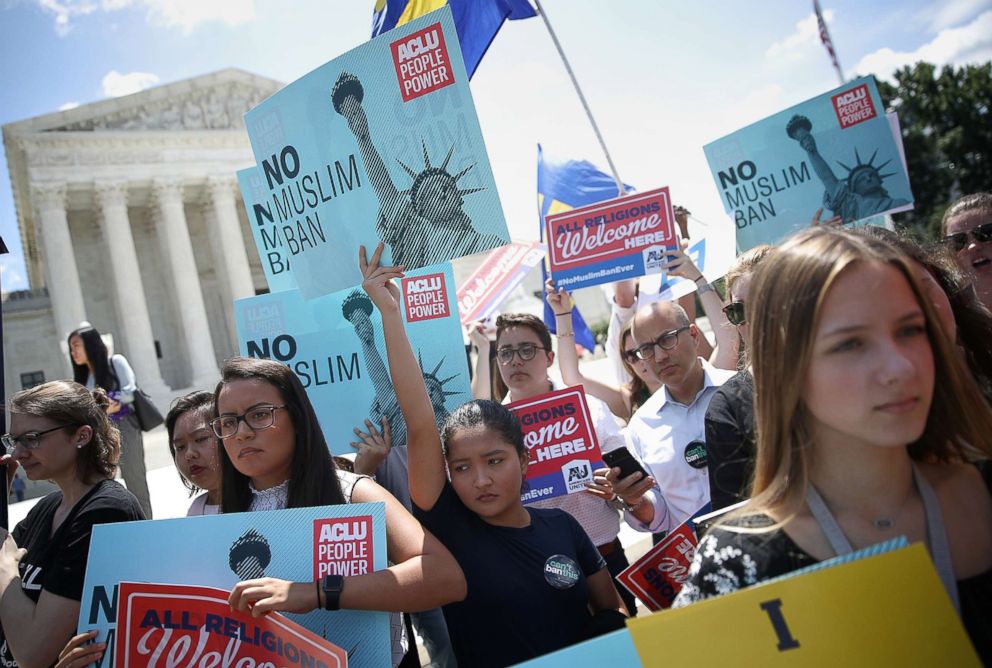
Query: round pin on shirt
[695, 454]
[561, 572]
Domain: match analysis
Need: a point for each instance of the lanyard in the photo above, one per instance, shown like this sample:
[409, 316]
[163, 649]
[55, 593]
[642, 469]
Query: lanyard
[940, 551]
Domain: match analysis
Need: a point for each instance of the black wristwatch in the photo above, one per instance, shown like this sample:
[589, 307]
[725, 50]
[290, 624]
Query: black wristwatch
[332, 585]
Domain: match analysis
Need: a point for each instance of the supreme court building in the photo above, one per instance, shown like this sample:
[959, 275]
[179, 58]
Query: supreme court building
[131, 219]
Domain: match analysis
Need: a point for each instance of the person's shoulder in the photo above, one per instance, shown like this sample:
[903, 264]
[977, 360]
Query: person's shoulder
[111, 500]
[964, 484]
[716, 377]
[45, 506]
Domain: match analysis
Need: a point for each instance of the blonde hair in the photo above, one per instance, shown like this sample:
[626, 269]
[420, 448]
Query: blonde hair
[746, 263]
[73, 405]
[790, 288]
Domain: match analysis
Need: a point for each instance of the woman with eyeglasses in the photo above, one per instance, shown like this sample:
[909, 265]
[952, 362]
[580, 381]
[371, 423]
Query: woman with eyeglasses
[967, 228]
[868, 428]
[730, 416]
[59, 431]
[93, 366]
[274, 456]
[624, 401]
[515, 558]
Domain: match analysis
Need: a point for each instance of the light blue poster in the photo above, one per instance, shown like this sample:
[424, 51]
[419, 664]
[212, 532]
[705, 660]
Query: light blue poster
[271, 249]
[612, 649]
[836, 151]
[300, 544]
[381, 143]
[336, 347]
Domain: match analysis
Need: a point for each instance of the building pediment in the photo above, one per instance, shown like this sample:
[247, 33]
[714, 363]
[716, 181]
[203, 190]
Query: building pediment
[216, 101]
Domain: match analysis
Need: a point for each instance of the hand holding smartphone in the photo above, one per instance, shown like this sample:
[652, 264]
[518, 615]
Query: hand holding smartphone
[622, 459]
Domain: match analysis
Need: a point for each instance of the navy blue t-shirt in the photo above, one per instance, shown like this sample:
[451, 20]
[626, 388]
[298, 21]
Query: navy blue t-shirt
[513, 611]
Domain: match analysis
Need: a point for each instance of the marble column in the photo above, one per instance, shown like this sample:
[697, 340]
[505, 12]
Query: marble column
[132, 308]
[178, 250]
[64, 288]
[229, 243]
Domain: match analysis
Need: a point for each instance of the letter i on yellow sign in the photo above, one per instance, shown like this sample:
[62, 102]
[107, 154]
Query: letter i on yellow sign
[887, 610]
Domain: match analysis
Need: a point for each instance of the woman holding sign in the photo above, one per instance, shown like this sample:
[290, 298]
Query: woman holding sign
[868, 428]
[275, 457]
[533, 575]
[59, 431]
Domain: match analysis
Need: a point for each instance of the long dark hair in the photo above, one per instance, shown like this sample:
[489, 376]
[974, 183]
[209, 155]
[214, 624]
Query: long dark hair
[199, 400]
[313, 479]
[97, 356]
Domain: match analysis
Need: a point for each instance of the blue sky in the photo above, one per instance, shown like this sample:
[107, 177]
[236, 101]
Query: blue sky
[662, 78]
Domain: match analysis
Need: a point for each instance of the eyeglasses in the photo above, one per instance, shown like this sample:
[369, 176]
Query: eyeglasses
[29, 440]
[527, 351]
[666, 341]
[981, 234]
[257, 418]
[735, 313]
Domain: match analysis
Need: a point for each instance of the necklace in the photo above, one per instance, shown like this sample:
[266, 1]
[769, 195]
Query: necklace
[882, 523]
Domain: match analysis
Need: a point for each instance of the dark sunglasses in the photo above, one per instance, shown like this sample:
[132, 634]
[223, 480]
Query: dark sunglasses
[735, 313]
[982, 234]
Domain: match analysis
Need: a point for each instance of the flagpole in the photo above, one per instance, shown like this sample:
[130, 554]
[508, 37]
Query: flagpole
[582, 98]
[827, 42]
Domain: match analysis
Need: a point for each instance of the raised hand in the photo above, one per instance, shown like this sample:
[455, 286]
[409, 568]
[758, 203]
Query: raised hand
[559, 300]
[477, 334]
[373, 446]
[378, 283]
[836, 221]
[681, 264]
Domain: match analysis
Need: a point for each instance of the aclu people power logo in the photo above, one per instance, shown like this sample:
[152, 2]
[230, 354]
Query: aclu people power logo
[853, 106]
[561, 442]
[342, 546]
[425, 298]
[421, 61]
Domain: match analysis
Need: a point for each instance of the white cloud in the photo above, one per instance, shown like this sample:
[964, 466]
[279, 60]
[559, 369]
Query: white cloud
[807, 32]
[116, 84]
[68, 105]
[951, 14]
[971, 43]
[183, 14]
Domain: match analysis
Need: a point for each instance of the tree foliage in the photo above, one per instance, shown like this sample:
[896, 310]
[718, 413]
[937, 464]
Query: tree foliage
[947, 134]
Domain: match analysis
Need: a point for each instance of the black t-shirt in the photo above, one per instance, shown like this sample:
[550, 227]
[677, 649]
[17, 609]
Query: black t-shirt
[730, 440]
[513, 612]
[57, 563]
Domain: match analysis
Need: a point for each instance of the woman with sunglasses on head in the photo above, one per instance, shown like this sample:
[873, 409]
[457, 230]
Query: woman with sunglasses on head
[868, 428]
[514, 557]
[59, 431]
[93, 366]
[623, 401]
[193, 445]
[274, 456]
[967, 228]
[730, 416]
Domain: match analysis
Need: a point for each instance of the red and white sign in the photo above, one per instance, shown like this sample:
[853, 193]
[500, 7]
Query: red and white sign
[503, 269]
[561, 442]
[342, 546]
[421, 61]
[854, 106]
[425, 298]
[182, 626]
[610, 230]
[658, 576]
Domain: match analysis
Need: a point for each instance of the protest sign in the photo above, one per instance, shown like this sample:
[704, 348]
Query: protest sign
[836, 151]
[161, 625]
[381, 143]
[612, 649]
[890, 609]
[222, 550]
[657, 577]
[336, 347]
[561, 442]
[503, 269]
[624, 237]
[272, 251]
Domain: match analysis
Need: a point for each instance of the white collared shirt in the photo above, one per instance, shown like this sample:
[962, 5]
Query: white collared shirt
[659, 434]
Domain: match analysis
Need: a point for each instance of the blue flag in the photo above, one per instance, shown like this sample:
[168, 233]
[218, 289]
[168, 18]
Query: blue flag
[476, 21]
[560, 187]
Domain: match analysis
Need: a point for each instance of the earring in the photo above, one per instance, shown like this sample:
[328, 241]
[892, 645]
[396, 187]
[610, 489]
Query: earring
[80, 446]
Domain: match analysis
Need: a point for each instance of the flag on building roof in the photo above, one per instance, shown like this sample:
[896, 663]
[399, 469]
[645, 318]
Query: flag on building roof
[477, 21]
[567, 185]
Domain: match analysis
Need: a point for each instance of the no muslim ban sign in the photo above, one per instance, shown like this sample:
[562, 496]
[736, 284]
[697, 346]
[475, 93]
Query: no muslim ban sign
[561, 443]
[621, 238]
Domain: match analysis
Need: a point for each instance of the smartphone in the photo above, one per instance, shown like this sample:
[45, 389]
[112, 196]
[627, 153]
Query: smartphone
[622, 459]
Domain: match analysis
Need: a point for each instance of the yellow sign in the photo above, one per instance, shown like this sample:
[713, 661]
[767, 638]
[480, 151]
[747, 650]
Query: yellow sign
[886, 610]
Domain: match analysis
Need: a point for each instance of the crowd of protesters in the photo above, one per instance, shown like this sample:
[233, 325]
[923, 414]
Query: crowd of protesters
[844, 401]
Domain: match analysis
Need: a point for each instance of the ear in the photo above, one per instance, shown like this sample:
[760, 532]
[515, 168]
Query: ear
[83, 436]
[694, 333]
[551, 358]
[524, 462]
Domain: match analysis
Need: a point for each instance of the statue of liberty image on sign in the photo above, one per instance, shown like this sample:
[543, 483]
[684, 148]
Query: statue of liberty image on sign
[425, 223]
[855, 197]
[357, 309]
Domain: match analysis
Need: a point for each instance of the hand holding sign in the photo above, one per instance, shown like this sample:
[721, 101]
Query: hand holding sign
[81, 651]
[373, 448]
[559, 300]
[377, 283]
[258, 597]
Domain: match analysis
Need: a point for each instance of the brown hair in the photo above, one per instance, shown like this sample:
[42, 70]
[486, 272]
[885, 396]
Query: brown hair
[74, 406]
[504, 322]
[312, 479]
[637, 391]
[790, 288]
[200, 401]
[975, 202]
